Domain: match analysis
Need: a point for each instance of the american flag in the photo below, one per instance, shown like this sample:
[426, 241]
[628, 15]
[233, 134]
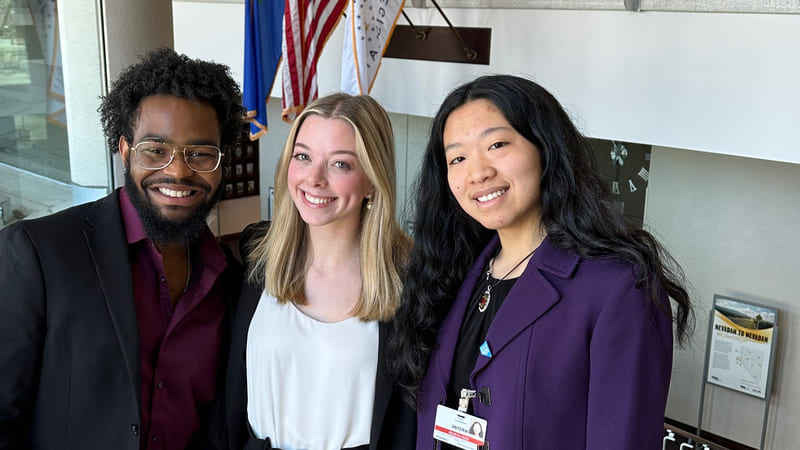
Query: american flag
[307, 24]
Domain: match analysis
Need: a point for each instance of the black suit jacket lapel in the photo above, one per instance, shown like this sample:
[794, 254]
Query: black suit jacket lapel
[383, 386]
[236, 377]
[105, 237]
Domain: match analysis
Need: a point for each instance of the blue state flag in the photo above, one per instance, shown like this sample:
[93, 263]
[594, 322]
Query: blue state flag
[262, 53]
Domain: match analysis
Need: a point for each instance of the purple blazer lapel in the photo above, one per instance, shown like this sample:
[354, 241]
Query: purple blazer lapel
[448, 333]
[530, 298]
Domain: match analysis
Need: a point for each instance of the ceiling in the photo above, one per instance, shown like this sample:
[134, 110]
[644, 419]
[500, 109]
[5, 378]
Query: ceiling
[724, 6]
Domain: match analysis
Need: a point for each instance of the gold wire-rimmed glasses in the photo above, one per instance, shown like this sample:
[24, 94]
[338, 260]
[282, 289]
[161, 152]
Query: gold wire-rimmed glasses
[153, 155]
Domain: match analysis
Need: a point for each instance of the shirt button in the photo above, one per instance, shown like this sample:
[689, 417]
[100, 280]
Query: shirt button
[160, 384]
[163, 280]
[135, 429]
[154, 438]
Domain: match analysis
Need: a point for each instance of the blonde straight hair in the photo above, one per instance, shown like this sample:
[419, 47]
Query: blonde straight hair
[280, 262]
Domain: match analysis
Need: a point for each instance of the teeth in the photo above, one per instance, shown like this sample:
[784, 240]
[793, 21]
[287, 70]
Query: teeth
[171, 193]
[318, 200]
[492, 196]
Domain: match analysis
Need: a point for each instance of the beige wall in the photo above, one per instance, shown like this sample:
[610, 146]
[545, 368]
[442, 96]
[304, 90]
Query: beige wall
[84, 82]
[685, 80]
[733, 223]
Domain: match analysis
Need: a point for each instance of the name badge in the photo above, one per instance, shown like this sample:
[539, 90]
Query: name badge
[458, 429]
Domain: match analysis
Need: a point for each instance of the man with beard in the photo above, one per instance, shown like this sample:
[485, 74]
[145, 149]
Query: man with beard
[114, 314]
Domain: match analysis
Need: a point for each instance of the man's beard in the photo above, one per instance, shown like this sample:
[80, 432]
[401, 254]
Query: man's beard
[165, 231]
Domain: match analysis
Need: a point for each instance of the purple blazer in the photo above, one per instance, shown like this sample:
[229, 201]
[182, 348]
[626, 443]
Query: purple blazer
[580, 358]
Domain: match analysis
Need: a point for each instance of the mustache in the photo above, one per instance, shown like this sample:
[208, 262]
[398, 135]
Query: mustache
[169, 180]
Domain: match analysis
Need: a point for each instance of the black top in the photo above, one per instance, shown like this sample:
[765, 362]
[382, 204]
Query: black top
[473, 333]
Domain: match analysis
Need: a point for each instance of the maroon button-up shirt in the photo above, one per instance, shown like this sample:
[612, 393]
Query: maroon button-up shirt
[179, 347]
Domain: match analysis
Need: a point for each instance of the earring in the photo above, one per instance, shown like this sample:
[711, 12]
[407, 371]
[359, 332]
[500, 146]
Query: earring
[369, 203]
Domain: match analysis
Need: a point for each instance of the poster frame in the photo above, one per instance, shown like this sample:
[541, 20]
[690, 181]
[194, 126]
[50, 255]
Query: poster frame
[770, 368]
[714, 341]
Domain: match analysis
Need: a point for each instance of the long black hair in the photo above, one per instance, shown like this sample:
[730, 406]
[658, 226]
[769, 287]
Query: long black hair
[578, 214]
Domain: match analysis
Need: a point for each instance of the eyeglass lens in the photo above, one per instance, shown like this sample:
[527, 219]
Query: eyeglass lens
[157, 155]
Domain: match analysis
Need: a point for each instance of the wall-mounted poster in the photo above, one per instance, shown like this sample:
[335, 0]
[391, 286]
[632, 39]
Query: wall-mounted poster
[742, 341]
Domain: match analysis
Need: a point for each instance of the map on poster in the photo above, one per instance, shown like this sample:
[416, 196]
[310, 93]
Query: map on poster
[742, 340]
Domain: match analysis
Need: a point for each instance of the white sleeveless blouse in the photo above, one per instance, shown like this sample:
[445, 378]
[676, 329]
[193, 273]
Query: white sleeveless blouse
[310, 384]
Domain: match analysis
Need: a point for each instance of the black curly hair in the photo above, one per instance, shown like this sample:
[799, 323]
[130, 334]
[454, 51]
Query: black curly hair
[165, 72]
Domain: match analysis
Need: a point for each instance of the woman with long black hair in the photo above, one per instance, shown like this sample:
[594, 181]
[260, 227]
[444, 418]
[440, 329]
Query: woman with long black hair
[528, 301]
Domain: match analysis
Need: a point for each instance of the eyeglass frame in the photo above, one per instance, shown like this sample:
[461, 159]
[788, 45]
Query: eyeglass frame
[175, 149]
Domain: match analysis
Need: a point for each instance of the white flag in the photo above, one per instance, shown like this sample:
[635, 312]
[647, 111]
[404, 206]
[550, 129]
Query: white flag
[369, 26]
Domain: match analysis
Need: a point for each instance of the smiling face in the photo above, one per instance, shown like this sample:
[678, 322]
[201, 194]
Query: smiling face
[493, 171]
[174, 201]
[326, 181]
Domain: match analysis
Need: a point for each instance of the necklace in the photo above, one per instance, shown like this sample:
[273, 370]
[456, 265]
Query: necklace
[487, 294]
[188, 270]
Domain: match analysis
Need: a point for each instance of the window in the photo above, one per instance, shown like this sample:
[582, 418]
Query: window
[34, 154]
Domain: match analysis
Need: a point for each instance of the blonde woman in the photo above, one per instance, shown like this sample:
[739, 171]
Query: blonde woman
[306, 368]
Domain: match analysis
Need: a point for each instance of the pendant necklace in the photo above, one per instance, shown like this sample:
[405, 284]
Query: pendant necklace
[487, 294]
[188, 270]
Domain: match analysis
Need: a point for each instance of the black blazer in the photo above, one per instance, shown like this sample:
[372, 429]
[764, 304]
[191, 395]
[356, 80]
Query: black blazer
[393, 424]
[69, 340]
